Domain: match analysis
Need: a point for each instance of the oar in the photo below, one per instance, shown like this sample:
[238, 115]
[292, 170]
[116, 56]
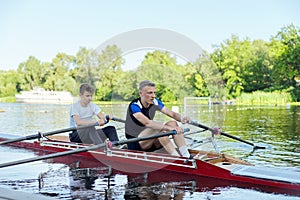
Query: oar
[34, 136]
[192, 133]
[90, 148]
[226, 134]
[118, 120]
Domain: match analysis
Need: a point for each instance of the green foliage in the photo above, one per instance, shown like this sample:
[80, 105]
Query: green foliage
[200, 86]
[251, 66]
[126, 87]
[8, 83]
[162, 69]
[209, 79]
[86, 66]
[32, 73]
[232, 59]
[286, 58]
[108, 72]
[165, 94]
[257, 70]
[58, 77]
[295, 93]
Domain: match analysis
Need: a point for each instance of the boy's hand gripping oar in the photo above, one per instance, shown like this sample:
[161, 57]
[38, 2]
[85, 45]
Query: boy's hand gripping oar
[89, 148]
[225, 134]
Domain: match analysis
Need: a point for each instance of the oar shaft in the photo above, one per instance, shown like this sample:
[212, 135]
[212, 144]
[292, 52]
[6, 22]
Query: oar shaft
[222, 133]
[54, 155]
[90, 148]
[236, 138]
[34, 136]
[118, 120]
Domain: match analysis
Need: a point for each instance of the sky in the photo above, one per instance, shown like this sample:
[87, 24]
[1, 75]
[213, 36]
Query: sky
[43, 28]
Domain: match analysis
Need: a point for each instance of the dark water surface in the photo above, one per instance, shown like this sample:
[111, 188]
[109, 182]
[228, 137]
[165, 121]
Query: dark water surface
[277, 128]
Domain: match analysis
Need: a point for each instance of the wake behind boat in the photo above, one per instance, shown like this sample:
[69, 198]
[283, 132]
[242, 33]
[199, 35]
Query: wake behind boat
[220, 169]
[40, 95]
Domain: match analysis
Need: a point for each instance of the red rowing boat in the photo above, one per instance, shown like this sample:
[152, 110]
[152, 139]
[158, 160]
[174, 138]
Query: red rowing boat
[221, 169]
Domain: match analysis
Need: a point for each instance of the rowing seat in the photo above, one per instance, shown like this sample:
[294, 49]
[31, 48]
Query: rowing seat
[271, 173]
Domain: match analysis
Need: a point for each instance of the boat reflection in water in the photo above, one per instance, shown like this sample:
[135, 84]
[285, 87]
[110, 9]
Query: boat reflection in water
[103, 183]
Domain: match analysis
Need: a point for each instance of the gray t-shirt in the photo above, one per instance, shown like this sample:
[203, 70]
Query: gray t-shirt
[85, 113]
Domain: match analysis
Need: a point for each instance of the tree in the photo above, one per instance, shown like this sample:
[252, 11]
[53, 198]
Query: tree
[285, 53]
[162, 69]
[57, 76]
[257, 70]
[231, 59]
[9, 83]
[125, 87]
[32, 73]
[86, 63]
[208, 77]
[109, 71]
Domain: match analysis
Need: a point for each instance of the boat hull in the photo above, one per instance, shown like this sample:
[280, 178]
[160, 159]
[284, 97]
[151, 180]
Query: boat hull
[209, 173]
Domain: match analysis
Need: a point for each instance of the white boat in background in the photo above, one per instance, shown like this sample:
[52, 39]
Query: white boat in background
[40, 95]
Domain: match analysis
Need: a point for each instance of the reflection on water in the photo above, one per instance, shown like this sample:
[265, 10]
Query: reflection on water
[277, 128]
[273, 127]
[24, 119]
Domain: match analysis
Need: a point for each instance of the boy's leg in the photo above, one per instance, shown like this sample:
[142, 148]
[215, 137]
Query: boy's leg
[110, 132]
[89, 136]
[74, 137]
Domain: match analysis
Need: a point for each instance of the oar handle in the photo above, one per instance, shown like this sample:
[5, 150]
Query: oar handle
[118, 120]
[201, 126]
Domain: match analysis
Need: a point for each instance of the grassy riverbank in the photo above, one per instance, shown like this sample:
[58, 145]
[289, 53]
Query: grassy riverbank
[9, 99]
[265, 98]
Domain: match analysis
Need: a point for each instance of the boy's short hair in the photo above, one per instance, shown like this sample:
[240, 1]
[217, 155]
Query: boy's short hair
[146, 83]
[86, 87]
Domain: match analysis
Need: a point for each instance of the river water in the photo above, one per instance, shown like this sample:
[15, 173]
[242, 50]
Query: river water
[276, 128]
